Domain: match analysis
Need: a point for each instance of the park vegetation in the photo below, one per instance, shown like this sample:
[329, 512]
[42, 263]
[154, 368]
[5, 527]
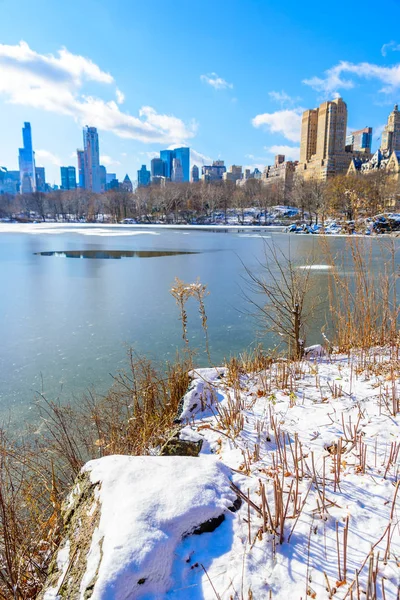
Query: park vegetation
[345, 197]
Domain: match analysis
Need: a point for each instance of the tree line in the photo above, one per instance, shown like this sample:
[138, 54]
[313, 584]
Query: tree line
[344, 196]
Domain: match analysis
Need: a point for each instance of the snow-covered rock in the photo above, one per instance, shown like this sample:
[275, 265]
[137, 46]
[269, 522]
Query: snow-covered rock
[148, 506]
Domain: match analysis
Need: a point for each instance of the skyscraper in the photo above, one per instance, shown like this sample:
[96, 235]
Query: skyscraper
[391, 134]
[195, 174]
[91, 159]
[40, 176]
[68, 178]
[183, 155]
[27, 162]
[157, 167]
[103, 178]
[126, 185]
[177, 171]
[323, 140]
[308, 143]
[81, 168]
[143, 176]
[167, 156]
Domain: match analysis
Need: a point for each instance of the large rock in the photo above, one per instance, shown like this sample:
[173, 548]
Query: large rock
[125, 519]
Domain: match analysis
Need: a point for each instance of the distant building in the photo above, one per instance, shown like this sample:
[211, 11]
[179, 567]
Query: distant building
[156, 168]
[110, 177]
[183, 155]
[360, 141]
[213, 172]
[68, 178]
[113, 184]
[126, 185]
[81, 168]
[390, 141]
[167, 156]
[40, 176]
[103, 178]
[9, 181]
[143, 176]
[323, 141]
[195, 174]
[27, 162]
[234, 173]
[91, 159]
[281, 171]
[177, 171]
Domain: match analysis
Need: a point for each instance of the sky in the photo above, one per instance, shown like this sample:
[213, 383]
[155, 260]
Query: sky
[229, 79]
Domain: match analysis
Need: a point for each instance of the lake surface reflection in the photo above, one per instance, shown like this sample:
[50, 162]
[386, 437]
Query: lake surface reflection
[66, 324]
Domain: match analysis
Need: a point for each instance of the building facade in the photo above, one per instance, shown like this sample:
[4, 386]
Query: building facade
[360, 141]
[68, 178]
[143, 176]
[195, 174]
[323, 141]
[40, 176]
[234, 173]
[26, 161]
[214, 172]
[168, 156]
[156, 168]
[390, 141]
[91, 159]
[81, 168]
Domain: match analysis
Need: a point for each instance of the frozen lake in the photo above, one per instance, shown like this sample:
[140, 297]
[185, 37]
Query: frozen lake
[74, 298]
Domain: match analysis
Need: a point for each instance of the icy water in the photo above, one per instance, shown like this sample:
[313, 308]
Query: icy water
[66, 322]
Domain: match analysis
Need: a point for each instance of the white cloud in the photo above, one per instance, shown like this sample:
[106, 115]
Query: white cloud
[54, 83]
[283, 98]
[333, 78]
[393, 46]
[196, 158]
[290, 152]
[120, 96]
[286, 122]
[216, 82]
[107, 161]
[46, 157]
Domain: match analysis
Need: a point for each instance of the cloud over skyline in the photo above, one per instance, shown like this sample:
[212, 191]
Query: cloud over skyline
[287, 122]
[55, 84]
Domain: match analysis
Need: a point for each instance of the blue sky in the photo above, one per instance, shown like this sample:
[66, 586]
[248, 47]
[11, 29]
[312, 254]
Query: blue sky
[229, 79]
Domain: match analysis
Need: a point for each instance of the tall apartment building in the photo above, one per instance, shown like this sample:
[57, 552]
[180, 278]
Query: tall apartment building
[390, 140]
[323, 141]
[91, 159]
[308, 142]
[26, 159]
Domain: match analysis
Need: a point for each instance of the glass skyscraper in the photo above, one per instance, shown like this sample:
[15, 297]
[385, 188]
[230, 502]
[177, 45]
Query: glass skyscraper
[81, 168]
[68, 178]
[91, 159]
[182, 155]
[27, 162]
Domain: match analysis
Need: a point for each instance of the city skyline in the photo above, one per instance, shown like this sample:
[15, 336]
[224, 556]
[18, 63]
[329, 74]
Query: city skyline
[237, 92]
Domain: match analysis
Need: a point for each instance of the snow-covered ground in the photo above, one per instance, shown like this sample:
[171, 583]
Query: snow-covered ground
[312, 449]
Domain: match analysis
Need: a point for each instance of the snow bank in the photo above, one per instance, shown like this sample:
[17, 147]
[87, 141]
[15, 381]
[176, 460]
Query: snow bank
[148, 504]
